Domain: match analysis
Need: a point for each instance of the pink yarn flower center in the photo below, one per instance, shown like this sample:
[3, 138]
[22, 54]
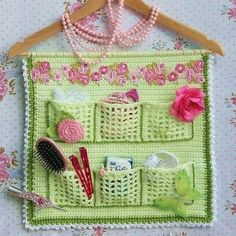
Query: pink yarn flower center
[70, 131]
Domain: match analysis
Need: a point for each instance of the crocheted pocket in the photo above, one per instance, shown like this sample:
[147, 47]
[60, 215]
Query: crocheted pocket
[159, 125]
[159, 181]
[118, 188]
[118, 122]
[65, 190]
[79, 111]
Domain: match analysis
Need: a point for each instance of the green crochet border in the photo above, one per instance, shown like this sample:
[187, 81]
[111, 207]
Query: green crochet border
[143, 220]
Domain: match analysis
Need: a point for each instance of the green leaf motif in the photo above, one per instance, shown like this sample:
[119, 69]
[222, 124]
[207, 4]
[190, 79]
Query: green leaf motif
[185, 193]
[175, 204]
[184, 187]
[59, 116]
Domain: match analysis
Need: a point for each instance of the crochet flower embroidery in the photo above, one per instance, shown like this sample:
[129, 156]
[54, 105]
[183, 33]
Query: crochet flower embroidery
[70, 131]
[188, 104]
[120, 73]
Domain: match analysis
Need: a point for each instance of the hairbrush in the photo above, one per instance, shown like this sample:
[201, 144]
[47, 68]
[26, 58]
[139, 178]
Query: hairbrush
[50, 156]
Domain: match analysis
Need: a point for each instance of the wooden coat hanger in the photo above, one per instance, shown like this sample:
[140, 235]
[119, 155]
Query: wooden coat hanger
[137, 5]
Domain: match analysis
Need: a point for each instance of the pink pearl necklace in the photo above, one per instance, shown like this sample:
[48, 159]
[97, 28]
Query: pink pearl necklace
[136, 34]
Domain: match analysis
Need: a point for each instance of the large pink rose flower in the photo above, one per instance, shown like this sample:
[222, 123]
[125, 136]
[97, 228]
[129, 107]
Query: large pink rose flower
[188, 104]
[70, 131]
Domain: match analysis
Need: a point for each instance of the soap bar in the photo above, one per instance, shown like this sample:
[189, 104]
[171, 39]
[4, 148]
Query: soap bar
[119, 163]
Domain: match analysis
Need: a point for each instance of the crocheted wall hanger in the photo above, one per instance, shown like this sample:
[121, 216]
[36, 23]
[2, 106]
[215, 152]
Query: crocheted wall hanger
[138, 5]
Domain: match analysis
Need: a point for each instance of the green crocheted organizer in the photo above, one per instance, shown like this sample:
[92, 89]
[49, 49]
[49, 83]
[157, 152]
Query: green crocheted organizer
[134, 130]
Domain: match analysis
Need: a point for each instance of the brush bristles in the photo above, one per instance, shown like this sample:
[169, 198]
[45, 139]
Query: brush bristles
[50, 157]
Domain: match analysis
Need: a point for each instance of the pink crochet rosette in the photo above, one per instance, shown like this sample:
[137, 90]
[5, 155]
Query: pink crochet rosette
[70, 131]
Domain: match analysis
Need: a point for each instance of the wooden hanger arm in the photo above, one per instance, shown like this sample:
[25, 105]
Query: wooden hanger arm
[178, 27]
[138, 6]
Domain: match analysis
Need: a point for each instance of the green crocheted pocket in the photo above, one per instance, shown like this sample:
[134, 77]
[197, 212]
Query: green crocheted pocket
[80, 111]
[65, 190]
[161, 182]
[118, 188]
[159, 125]
[118, 122]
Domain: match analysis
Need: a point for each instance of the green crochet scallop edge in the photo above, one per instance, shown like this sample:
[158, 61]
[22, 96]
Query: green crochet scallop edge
[143, 220]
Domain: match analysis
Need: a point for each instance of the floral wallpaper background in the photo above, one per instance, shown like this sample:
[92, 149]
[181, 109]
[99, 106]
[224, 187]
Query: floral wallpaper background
[217, 19]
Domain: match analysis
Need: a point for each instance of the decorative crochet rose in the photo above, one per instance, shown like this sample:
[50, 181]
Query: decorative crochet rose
[188, 104]
[70, 131]
[44, 67]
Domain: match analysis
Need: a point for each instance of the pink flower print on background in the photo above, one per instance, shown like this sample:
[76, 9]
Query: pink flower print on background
[4, 162]
[233, 209]
[3, 84]
[179, 43]
[232, 13]
[98, 231]
[2, 74]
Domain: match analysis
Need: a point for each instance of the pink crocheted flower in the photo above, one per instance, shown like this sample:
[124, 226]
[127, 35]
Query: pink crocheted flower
[83, 69]
[122, 80]
[35, 74]
[84, 79]
[180, 68]
[173, 76]
[198, 66]
[122, 69]
[44, 67]
[96, 76]
[73, 75]
[148, 75]
[103, 70]
[188, 104]
[189, 74]
[70, 131]
[160, 68]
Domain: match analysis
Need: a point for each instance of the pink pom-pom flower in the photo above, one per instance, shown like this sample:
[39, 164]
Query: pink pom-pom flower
[70, 131]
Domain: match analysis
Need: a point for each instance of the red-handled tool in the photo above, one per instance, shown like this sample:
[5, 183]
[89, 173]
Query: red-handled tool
[81, 175]
[84, 157]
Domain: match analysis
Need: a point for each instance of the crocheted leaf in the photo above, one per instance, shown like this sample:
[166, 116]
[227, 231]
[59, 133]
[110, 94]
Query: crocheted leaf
[183, 186]
[61, 116]
[52, 129]
[174, 204]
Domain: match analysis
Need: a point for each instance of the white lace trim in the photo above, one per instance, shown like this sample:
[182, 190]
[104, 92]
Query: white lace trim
[122, 226]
